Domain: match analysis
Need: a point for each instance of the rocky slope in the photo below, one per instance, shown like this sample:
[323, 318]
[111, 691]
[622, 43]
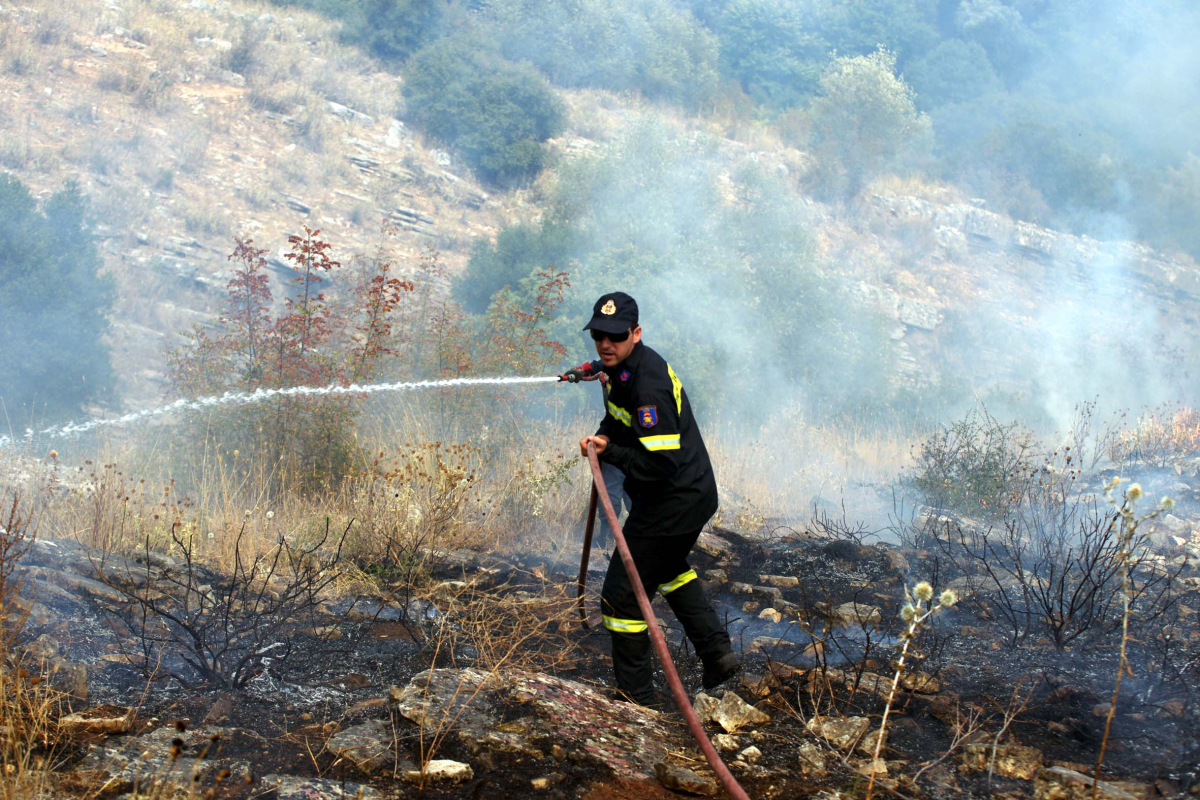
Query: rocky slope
[189, 122]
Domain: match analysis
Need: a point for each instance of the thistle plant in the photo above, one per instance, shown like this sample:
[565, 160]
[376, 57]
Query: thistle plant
[1128, 541]
[919, 607]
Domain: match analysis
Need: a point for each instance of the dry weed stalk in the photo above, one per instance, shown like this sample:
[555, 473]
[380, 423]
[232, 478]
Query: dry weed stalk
[29, 706]
[1016, 706]
[915, 613]
[1128, 541]
[965, 726]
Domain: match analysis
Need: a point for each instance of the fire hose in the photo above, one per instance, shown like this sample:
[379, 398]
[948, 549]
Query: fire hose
[600, 493]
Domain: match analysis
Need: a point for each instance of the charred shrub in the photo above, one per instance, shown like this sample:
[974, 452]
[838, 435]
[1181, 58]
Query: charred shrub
[199, 627]
[1047, 558]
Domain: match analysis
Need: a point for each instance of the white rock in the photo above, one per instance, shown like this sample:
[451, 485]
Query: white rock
[442, 770]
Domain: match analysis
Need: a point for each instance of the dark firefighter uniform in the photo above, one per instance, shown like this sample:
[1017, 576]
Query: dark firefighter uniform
[654, 440]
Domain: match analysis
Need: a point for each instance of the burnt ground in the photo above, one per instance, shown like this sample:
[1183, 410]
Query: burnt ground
[814, 660]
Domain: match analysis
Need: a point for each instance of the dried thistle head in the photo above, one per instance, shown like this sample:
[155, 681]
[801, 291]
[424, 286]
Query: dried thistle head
[923, 592]
[1134, 492]
[948, 598]
[1167, 503]
[908, 613]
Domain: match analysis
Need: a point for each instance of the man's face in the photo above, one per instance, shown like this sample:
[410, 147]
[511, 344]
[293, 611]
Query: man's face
[612, 353]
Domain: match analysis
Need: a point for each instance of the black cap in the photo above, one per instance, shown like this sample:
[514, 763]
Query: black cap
[615, 312]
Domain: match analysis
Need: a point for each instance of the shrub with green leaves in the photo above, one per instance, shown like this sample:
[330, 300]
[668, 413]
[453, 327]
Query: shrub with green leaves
[495, 113]
[54, 306]
[976, 465]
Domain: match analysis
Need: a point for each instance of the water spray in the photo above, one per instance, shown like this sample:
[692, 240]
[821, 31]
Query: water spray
[258, 395]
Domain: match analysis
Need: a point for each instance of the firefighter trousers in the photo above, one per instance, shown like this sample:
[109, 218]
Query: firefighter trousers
[661, 563]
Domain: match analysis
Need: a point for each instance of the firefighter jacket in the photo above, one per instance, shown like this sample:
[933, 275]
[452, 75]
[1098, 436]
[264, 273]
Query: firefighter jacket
[654, 440]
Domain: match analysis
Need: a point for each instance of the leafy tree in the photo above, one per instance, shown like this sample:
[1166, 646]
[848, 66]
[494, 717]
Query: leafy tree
[495, 112]
[1072, 172]
[953, 72]
[865, 123]
[53, 307]
[771, 49]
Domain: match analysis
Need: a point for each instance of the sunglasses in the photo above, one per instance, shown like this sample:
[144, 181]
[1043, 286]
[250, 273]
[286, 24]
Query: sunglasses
[615, 338]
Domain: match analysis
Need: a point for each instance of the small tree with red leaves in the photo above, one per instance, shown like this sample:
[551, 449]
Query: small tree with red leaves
[316, 340]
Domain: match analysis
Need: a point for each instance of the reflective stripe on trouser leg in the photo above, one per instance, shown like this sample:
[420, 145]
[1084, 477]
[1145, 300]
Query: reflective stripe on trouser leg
[700, 621]
[677, 581]
[625, 625]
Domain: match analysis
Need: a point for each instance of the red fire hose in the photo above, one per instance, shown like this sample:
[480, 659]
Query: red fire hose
[660, 644]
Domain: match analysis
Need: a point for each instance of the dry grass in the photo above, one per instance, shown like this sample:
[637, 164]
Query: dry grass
[29, 707]
[773, 474]
[1161, 436]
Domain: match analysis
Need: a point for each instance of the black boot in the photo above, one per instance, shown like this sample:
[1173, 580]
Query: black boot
[633, 666]
[720, 670]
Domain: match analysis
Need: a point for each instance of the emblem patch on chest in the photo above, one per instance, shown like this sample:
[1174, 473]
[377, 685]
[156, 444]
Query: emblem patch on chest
[624, 376]
[647, 416]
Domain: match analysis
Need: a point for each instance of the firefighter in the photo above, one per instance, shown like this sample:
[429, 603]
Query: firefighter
[614, 479]
[649, 433]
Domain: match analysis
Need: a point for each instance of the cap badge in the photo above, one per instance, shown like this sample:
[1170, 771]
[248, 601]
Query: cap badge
[609, 308]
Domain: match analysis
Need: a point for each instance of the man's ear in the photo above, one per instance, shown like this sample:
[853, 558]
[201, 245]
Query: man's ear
[637, 334]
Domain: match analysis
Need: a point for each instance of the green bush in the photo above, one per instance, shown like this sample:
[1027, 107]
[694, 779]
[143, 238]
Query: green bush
[865, 123]
[496, 113]
[53, 307]
[518, 251]
[391, 29]
[976, 466]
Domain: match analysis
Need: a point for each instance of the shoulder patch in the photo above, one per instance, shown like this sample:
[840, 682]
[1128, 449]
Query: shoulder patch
[647, 416]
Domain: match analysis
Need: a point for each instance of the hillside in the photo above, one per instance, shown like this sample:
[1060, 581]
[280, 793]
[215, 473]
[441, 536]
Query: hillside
[144, 106]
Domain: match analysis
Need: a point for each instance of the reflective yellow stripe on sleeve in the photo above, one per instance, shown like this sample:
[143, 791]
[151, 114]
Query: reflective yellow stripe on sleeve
[665, 442]
[678, 387]
[686, 577]
[620, 414]
[625, 625]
